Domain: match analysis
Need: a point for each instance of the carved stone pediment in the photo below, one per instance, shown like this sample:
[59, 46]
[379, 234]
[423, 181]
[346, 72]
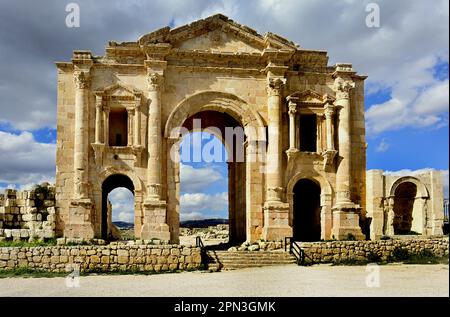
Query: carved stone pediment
[119, 92]
[217, 32]
[309, 98]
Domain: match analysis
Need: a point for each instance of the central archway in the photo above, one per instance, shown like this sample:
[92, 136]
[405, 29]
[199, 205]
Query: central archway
[112, 182]
[220, 109]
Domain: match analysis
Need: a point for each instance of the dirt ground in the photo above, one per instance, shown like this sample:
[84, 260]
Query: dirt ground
[281, 281]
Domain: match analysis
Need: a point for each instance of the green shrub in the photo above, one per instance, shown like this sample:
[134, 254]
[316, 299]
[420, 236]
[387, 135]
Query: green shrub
[373, 257]
[400, 254]
[350, 237]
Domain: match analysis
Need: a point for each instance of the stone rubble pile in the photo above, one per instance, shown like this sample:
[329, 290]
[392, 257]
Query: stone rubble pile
[29, 214]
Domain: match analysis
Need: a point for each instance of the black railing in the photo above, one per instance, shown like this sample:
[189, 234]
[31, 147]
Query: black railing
[296, 251]
[199, 244]
[446, 202]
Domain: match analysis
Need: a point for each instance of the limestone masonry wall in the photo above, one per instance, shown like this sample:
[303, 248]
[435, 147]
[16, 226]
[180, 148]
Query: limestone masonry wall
[338, 251]
[107, 258]
[28, 214]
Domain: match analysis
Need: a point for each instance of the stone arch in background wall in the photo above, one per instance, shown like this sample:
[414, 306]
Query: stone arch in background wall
[408, 206]
[325, 200]
[248, 178]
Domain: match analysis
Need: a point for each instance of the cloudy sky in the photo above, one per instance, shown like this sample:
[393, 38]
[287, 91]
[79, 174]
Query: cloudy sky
[406, 59]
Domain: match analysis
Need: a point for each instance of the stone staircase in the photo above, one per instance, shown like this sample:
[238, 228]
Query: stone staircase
[226, 260]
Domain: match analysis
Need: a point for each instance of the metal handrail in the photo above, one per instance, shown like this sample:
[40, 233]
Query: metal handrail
[296, 250]
[199, 244]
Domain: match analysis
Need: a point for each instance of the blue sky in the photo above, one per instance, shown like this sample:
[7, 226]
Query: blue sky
[406, 59]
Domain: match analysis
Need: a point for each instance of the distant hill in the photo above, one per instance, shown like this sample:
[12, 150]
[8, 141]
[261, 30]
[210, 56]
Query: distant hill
[123, 225]
[203, 223]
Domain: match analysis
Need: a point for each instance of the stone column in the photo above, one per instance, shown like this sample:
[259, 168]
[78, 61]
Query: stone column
[154, 137]
[319, 120]
[390, 216]
[79, 221]
[137, 123]
[155, 206]
[292, 127]
[106, 126]
[98, 119]
[345, 212]
[274, 157]
[81, 136]
[329, 113]
[276, 212]
[130, 114]
[343, 173]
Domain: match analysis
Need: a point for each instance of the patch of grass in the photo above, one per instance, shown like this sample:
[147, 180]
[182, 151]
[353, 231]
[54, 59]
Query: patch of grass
[26, 244]
[350, 262]
[29, 273]
[25, 272]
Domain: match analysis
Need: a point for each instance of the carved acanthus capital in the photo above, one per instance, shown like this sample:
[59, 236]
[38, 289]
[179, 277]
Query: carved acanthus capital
[82, 80]
[343, 88]
[292, 108]
[330, 109]
[98, 101]
[155, 81]
[275, 86]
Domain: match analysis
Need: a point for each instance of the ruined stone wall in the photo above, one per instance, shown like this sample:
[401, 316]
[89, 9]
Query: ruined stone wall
[102, 258]
[28, 214]
[340, 251]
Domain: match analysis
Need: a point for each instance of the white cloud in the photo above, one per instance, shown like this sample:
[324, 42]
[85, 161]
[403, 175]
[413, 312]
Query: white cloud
[197, 179]
[24, 161]
[200, 202]
[122, 201]
[191, 216]
[383, 146]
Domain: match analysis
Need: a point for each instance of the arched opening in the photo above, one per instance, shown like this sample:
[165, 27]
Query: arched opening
[405, 196]
[118, 127]
[216, 160]
[109, 231]
[306, 218]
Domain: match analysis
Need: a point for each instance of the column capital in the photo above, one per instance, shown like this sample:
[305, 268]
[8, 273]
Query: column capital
[155, 81]
[82, 79]
[98, 101]
[343, 88]
[292, 108]
[275, 85]
[330, 109]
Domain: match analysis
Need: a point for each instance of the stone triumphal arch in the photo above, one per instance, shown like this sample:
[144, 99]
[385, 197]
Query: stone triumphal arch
[117, 115]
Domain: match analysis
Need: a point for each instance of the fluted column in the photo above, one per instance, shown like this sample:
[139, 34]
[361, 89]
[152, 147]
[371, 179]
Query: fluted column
[98, 119]
[81, 137]
[130, 116]
[274, 155]
[343, 173]
[154, 137]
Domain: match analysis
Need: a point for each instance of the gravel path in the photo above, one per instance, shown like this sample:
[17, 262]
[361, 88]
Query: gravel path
[290, 280]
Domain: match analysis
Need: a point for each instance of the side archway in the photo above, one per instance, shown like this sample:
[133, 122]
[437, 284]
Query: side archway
[110, 179]
[321, 191]
[409, 198]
